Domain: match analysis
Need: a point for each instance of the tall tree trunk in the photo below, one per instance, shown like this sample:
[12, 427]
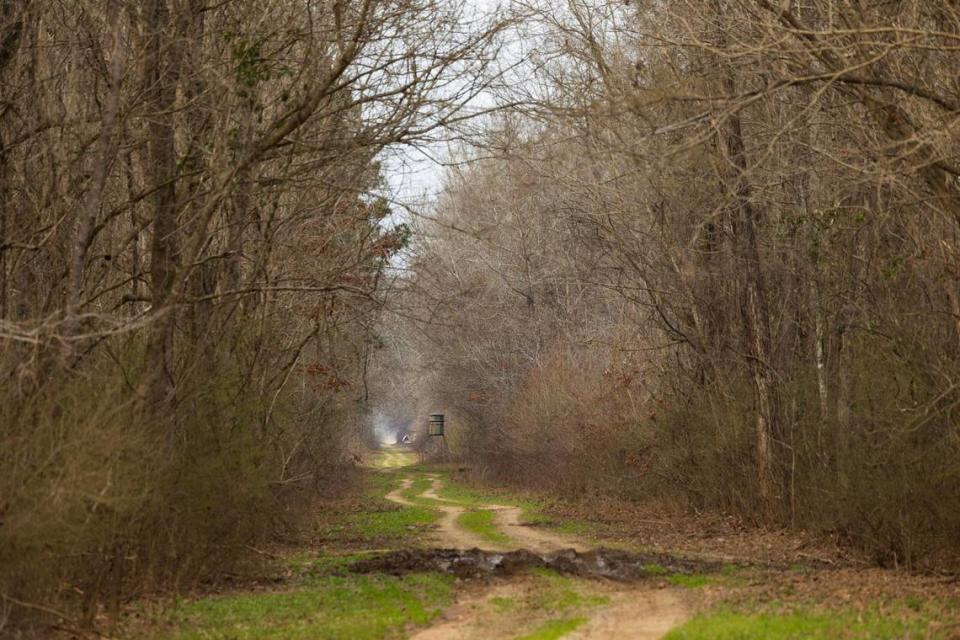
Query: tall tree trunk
[197, 114]
[136, 262]
[707, 303]
[238, 207]
[102, 159]
[755, 312]
[11, 28]
[161, 83]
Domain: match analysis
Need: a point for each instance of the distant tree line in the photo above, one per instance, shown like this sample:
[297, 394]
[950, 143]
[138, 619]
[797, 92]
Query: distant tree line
[713, 260]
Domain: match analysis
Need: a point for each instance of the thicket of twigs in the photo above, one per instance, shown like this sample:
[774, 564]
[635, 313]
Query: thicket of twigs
[716, 260]
[190, 263]
[707, 252]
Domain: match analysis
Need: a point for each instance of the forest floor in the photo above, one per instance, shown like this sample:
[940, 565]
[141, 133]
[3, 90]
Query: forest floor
[424, 554]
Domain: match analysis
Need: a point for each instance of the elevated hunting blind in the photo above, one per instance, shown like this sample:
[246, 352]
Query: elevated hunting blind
[435, 427]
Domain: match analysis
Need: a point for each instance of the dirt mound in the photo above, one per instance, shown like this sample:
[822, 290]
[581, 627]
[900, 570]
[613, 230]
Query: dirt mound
[600, 563]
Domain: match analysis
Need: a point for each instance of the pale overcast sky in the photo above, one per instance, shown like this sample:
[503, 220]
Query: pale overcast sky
[414, 176]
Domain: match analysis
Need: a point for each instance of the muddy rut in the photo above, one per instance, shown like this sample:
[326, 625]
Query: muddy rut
[637, 604]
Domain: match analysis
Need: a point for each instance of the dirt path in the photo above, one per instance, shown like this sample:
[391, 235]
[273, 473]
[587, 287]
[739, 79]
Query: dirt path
[641, 614]
[509, 520]
[633, 613]
[470, 618]
[395, 459]
[448, 533]
[630, 611]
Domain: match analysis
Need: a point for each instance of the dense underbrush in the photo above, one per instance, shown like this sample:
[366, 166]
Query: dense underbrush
[888, 483]
[104, 497]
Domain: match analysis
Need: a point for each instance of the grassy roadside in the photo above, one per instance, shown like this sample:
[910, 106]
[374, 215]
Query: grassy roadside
[808, 603]
[781, 604]
[480, 522]
[316, 606]
[419, 484]
[810, 622]
[318, 599]
[373, 522]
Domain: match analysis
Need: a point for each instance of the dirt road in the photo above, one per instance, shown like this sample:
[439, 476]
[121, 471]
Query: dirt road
[618, 610]
[440, 560]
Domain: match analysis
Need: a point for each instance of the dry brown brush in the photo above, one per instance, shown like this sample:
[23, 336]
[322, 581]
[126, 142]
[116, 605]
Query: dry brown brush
[715, 260]
[192, 253]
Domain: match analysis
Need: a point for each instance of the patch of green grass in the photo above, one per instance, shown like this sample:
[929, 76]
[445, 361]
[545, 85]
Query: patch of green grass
[392, 523]
[694, 581]
[480, 522]
[553, 629]
[505, 605]
[377, 485]
[914, 603]
[379, 520]
[557, 593]
[730, 625]
[549, 606]
[465, 496]
[356, 607]
[654, 569]
[324, 565]
[312, 562]
[419, 485]
[532, 509]
[382, 461]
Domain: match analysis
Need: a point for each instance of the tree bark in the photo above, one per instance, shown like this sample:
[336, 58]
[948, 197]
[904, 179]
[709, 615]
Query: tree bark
[102, 159]
[755, 312]
[161, 82]
[11, 19]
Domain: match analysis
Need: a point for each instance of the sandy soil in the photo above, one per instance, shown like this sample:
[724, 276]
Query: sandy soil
[640, 614]
[471, 619]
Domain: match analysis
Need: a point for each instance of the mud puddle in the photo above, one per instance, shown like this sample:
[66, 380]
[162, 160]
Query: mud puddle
[611, 564]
